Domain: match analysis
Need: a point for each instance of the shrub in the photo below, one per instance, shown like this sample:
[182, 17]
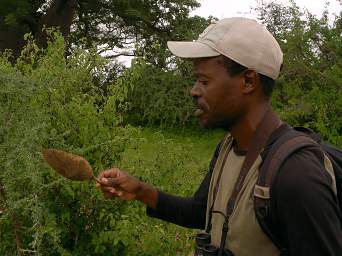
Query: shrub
[50, 101]
[158, 96]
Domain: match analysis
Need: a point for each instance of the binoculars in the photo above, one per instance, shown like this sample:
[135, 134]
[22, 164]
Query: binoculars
[203, 246]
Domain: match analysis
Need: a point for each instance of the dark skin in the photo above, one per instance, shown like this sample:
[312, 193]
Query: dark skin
[235, 103]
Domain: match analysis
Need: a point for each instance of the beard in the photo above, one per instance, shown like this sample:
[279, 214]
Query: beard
[213, 118]
[217, 122]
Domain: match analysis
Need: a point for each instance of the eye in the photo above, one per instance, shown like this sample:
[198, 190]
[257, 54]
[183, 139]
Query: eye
[203, 82]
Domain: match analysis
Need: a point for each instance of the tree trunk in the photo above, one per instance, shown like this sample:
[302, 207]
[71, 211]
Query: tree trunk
[13, 38]
[60, 14]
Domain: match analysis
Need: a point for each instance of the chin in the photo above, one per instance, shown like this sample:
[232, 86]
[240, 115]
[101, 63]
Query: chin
[208, 125]
[203, 123]
[203, 126]
[215, 124]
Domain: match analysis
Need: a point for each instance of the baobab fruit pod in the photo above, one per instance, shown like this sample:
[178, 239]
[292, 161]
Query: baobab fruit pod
[71, 166]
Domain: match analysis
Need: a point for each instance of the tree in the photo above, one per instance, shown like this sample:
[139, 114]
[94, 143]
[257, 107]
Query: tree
[308, 91]
[20, 16]
[113, 26]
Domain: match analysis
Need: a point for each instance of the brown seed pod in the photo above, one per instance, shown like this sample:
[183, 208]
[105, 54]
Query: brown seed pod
[71, 166]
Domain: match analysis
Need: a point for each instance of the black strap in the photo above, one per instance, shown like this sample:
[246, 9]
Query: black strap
[211, 211]
[268, 124]
[288, 143]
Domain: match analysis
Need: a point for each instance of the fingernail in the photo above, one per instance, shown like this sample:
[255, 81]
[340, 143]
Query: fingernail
[104, 180]
[112, 190]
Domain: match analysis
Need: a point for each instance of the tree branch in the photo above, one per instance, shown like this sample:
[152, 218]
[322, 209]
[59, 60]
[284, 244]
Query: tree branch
[18, 240]
[118, 55]
[16, 225]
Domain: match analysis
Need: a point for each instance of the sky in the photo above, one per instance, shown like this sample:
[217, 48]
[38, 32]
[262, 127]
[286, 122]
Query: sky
[228, 8]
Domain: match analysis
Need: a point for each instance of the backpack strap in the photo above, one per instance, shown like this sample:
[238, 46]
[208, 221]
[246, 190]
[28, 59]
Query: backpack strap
[287, 144]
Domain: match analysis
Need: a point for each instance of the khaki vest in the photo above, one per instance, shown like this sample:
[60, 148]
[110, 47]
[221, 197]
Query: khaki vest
[245, 236]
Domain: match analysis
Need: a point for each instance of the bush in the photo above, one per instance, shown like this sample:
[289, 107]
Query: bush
[50, 101]
[308, 92]
[158, 96]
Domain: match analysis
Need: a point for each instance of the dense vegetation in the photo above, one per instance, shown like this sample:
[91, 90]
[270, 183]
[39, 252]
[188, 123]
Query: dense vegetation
[139, 119]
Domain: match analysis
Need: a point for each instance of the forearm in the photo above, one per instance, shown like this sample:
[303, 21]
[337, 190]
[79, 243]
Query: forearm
[184, 211]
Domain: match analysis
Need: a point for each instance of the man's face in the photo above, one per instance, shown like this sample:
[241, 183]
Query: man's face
[218, 96]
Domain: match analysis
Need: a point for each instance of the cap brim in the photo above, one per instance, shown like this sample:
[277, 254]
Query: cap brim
[191, 50]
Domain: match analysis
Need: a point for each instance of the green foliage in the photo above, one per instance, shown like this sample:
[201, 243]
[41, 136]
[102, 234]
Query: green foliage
[158, 96]
[175, 162]
[133, 23]
[309, 91]
[50, 101]
[13, 10]
[112, 26]
[158, 83]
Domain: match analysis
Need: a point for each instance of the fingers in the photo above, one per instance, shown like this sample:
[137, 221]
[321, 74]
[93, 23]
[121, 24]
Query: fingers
[110, 192]
[111, 186]
[106, 181]
[114, 182]
[110, 173]
[114, 173]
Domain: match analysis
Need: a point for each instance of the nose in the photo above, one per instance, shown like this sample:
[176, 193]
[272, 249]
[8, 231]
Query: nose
[195, 90]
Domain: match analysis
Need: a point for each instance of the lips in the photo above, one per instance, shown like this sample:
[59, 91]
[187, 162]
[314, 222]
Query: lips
[201, 108]
[198, 112]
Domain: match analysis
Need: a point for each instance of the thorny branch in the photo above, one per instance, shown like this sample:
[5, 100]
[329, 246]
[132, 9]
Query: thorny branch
[16, 224]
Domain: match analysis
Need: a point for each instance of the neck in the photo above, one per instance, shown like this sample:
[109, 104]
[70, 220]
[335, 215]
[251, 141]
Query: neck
[246, 126]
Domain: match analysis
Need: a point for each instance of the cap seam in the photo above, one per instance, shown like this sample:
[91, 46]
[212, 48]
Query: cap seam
[223, 53]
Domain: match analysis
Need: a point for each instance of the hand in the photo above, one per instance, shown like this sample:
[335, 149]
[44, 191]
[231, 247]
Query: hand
[115, 182]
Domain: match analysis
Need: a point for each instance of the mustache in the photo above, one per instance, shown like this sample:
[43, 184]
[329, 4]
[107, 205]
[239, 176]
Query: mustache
[201, 105]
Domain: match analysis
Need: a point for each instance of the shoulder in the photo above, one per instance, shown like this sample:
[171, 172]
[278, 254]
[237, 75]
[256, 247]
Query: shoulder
[305, 208]
[303, 176]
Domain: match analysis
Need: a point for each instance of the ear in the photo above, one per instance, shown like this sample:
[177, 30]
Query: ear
[250, 81]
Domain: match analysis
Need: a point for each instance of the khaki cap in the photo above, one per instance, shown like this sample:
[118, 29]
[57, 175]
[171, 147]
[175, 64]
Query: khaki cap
[240, 39]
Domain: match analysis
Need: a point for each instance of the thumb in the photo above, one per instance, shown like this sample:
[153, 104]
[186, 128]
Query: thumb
[108, 174]
[116, 182]
[113, 173]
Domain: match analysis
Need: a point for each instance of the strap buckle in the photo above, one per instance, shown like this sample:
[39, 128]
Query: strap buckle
[262, 192]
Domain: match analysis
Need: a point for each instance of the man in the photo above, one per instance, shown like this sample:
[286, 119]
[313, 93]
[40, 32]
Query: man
[236, 61]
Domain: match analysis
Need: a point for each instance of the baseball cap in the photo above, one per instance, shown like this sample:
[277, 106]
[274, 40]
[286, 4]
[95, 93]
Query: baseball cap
[242, 40]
